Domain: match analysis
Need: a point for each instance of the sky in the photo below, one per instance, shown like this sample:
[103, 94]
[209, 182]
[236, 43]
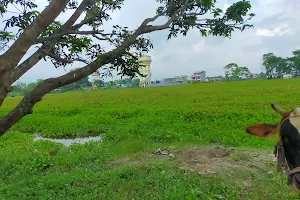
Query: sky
[276, 29]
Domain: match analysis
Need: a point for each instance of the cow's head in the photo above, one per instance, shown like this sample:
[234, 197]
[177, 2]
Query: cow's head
[290, 136]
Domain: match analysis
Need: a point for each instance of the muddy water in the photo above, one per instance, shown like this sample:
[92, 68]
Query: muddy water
[68, 142]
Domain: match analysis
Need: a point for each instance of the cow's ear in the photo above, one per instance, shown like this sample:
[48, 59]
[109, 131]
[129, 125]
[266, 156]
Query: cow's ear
[262, 130]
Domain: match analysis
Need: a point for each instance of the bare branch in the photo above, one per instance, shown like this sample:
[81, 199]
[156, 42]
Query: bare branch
[87, 20]
[152, 19]
[99, 38]
[65, 60]
[69, 32]
[83, 22]
[12, 12]
[150, 28]
[131, 55]
[81, 8]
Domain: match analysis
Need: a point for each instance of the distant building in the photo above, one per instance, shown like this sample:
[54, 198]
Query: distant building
[169, 80]
[296, 74]
[126, 85]
[163, 84]
[199, 76]
[216, 79]
[181, 79]
[176, 79]
[255, 76]
[286, 76]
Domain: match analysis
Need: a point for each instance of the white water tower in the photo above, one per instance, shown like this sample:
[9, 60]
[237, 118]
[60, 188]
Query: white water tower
[145, 70]
[96, 77]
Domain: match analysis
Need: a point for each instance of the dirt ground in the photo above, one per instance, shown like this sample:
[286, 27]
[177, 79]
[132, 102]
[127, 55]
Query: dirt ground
[220, 159]
[210, 160]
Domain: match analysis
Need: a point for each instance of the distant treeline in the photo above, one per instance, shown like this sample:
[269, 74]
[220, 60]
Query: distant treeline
[273, 67]
[276, 66]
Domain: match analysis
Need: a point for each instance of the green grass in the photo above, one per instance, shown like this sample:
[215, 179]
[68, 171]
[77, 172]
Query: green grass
[133, 123]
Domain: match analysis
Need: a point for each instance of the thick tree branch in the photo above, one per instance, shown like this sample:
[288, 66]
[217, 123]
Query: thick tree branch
[83, 22]
[19, 48]
[81, 8]
[37, 56]
[25, 107]
[114, 57]
[41, 53]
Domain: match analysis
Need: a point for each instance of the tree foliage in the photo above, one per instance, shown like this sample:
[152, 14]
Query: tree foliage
[84, 40]
[82, 83]
[20, 89]
[235, 72]
[276, 66]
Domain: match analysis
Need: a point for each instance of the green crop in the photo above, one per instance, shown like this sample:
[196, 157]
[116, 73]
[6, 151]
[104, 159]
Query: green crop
[134, 122]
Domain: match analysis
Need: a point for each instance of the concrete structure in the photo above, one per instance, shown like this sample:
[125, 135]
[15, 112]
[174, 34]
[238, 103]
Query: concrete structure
[182, 78]
[145, 70]
[296, 74]
[163, 84]
[216, 79]
[255, 75]
[96, 77]
[125, 85]
[169, 80]
[199, 76]
[286, 76]
[176, 79]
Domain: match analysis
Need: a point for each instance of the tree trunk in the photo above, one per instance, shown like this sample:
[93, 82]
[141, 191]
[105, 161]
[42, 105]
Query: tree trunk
[16, 73]
[25, 107]
[4, 90]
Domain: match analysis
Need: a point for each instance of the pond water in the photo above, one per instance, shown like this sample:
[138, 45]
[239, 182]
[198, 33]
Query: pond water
[68, 142]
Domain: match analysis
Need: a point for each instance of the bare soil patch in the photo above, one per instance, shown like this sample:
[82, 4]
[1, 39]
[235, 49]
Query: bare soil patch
[219, 159]
[210, 160]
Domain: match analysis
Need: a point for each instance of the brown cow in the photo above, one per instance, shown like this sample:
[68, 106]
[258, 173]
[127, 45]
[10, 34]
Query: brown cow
[288, 147]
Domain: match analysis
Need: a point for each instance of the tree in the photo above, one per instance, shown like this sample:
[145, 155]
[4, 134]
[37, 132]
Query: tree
[276, 66]
[64, 43]
[99, 83]
[20, 89]
[234, 72]
[269, 64]
[5, 37]
[262, 75]
[82, 83]
[111, 83]
[244, 73]
[294, 62]
[231, 71]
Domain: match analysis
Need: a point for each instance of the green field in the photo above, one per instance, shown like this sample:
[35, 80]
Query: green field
[189, 121]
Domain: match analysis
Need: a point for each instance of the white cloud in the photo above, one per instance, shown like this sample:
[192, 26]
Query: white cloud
[226, 5]
[278, 31]
[199, 47]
